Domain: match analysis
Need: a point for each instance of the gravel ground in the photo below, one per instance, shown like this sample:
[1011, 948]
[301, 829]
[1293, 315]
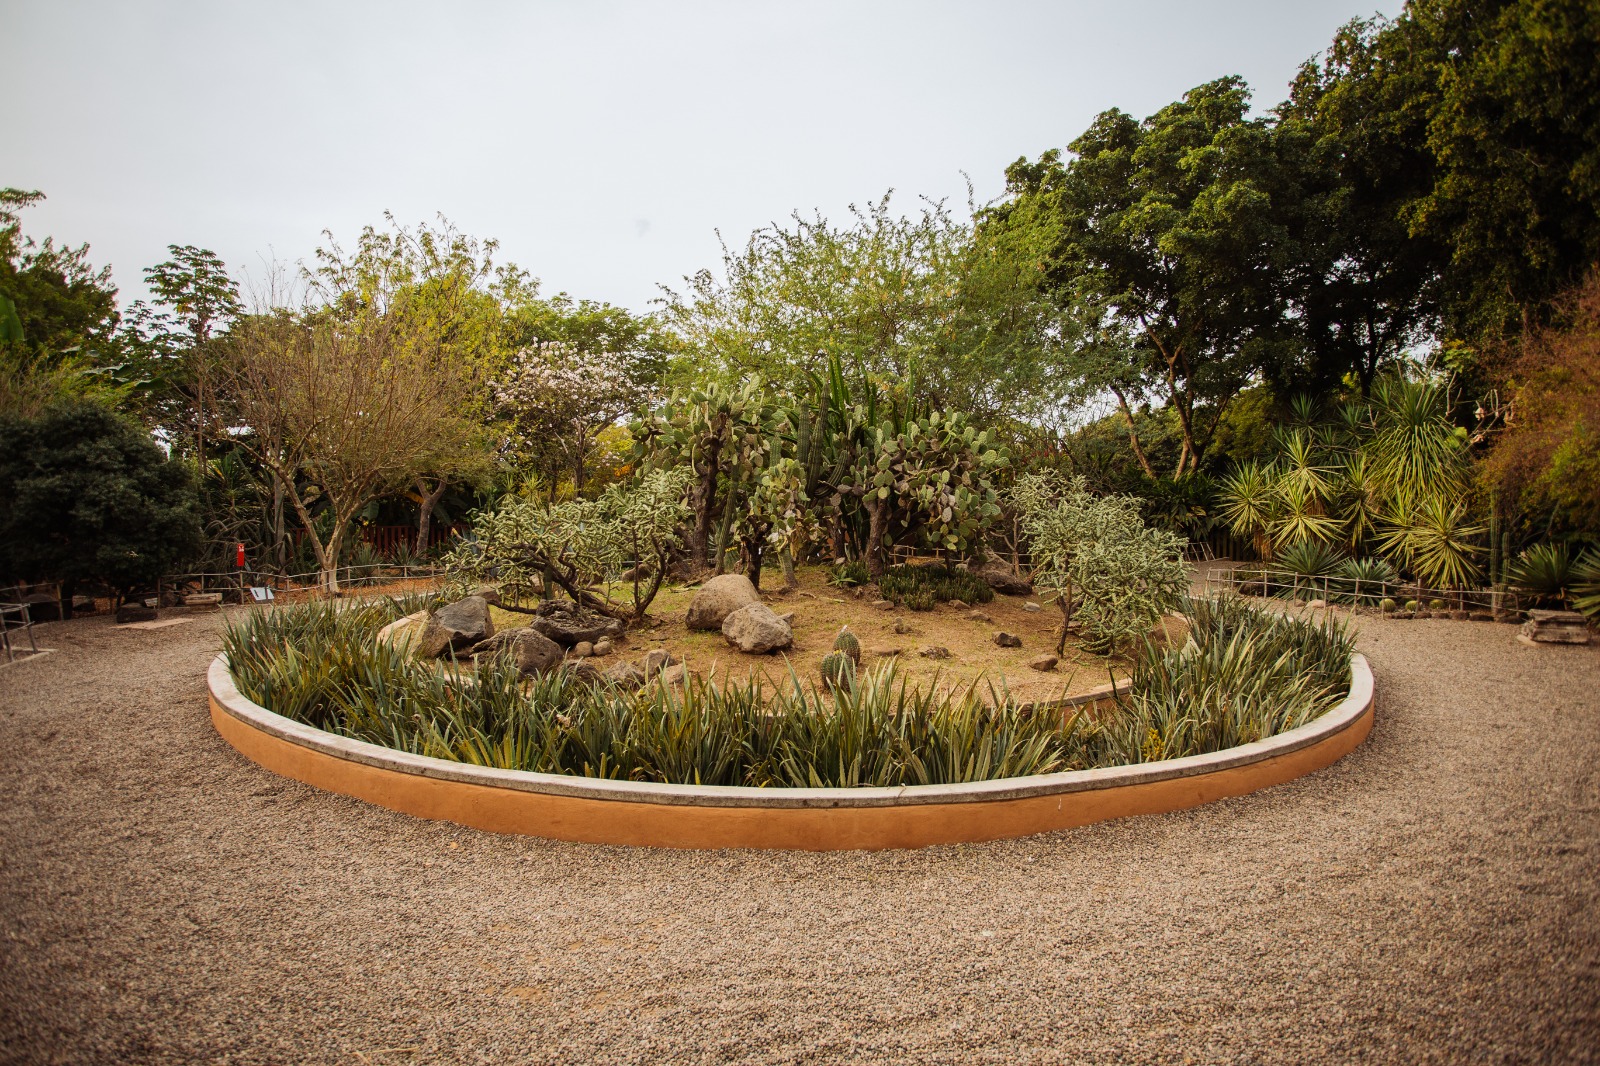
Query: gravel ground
[1430, 898]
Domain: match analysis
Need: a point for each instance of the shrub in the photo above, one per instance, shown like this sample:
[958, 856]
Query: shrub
[1245, 675]
[88, 496]
[1100, 560]
[921, 587]
[849, 574]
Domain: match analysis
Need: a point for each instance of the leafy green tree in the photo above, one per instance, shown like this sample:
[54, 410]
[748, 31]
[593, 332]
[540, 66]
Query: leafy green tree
[172, 343]
[1170, 254]
[90, 497]
[920, 307]
[1362, 285]
[1107, 571]
[1511, 91]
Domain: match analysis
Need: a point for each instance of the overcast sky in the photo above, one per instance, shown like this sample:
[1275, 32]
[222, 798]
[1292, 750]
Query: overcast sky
[603, 144]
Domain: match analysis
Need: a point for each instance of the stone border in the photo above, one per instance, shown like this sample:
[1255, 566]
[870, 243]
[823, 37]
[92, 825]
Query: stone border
[599, 811]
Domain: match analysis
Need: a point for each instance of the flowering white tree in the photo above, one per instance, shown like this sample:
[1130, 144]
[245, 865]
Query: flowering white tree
[558, 399]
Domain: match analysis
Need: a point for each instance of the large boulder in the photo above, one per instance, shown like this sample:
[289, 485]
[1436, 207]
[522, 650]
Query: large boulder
[569, 625]
[1000, 577]
[718, 598]
[532, 651]
[756, 629]
[467, 621]
[418, 634]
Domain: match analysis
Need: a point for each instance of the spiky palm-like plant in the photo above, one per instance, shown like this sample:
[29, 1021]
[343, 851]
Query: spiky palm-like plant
[1434, 539]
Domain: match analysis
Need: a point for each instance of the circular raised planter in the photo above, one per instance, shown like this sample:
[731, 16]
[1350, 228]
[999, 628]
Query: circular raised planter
[598, 811]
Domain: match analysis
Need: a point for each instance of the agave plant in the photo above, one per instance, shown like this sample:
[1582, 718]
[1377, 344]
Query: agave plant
[1364, 580]
[1586, 583]
[1309, 558]
[1545, 572]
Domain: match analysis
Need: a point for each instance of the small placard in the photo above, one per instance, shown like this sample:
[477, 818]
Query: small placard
[261, 593]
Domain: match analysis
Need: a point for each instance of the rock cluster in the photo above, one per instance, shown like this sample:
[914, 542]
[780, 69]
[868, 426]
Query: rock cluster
[714, 601]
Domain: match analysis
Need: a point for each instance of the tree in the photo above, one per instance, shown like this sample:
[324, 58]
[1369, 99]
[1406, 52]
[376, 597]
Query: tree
[1170, 249]
[1107, 570]
[62, 303]
[1511, 94]
[1362, 286]
[920, 307]
[173, 342]
[557, 400]
[90, 497]
[580, 545]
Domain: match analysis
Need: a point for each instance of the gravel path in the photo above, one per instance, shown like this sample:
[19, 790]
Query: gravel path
[1431, 898]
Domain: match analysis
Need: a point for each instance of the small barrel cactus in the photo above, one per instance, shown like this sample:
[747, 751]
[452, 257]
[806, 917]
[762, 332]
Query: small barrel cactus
[838, 672]
[1412, 605]
[1387, 606]
[1436, 605]
[848, 643]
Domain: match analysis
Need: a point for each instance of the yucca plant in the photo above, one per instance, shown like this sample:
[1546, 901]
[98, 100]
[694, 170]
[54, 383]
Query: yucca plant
[1250, 503]
[1435, 540]
[1300, 517]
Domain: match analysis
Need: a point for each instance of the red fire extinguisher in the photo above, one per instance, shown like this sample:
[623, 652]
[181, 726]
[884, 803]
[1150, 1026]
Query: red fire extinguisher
[239, 556]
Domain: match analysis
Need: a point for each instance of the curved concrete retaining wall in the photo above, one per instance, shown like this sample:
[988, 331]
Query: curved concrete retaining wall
[813, 819]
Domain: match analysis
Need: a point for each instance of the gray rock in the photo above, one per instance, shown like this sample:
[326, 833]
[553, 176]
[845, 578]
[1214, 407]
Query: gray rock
[959, 605]
[417, 633]
[1008, 640]
[582, 650]
[935, 652]
[901, 627]
[656, 660]
[531, 650]
[467, 621]
[583, 670]
[979, 616]
[1031, 607]
[1044, 664]
[604, 646]
[883, 605]
[625, 675]
[489, 594]
[755, 630]
[718, 598]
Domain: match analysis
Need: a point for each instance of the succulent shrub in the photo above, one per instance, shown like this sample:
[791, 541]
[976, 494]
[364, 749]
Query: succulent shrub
[1095, 556]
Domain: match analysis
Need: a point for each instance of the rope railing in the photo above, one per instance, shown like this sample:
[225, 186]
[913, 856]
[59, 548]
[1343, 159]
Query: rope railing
[1266, 583]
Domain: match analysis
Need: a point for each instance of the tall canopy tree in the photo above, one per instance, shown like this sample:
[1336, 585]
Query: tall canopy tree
[1170, 251]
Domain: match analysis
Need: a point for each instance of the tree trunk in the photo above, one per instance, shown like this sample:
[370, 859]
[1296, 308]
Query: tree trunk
[878, 511]
[1065, 603]
[704, 505]
[786, 558]
[1133, 435]
[425, 514]
[727, 525]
